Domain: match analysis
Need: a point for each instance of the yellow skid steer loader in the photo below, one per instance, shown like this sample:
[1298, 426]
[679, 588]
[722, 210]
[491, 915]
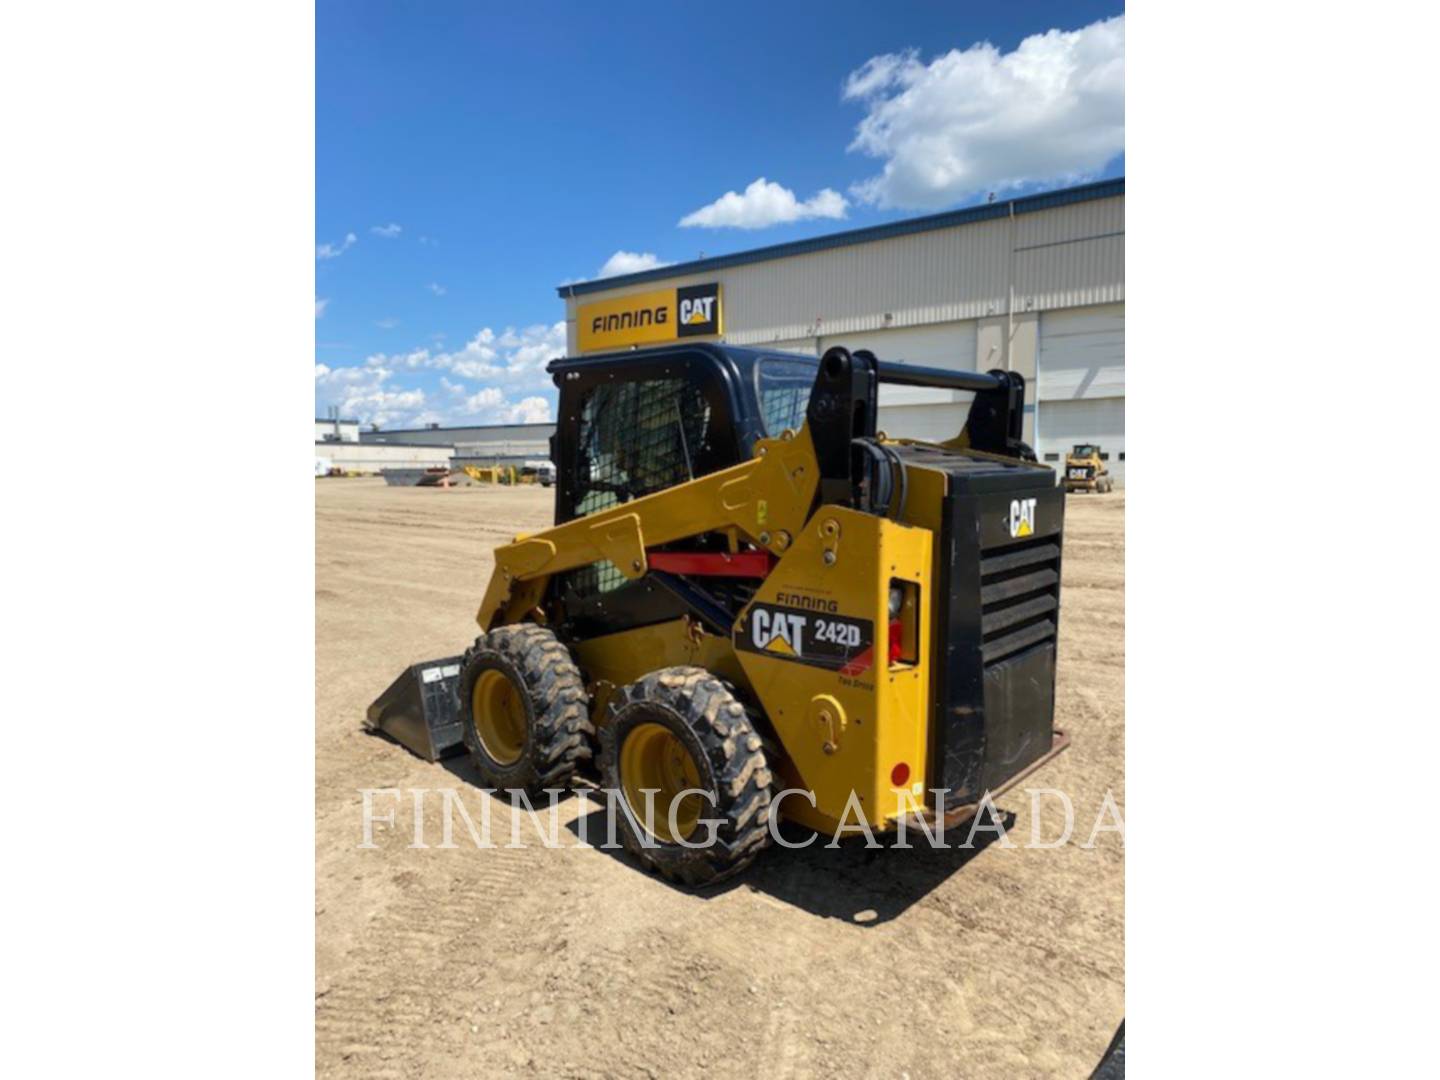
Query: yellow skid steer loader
[748, 591]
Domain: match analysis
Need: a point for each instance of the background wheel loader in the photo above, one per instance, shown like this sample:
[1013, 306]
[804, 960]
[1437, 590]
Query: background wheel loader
[1085, 471]
[746, 590]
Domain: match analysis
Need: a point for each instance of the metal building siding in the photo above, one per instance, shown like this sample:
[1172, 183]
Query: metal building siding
[480, 433]
[1065, 256]
[1082, 353]
[916, 280]
[1070, 275]
[1071, 256]
[372, 457]
[1068, 224]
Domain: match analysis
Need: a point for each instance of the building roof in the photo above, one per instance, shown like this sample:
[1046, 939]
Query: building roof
[1027, 204]
[348, 445]
[460, 427]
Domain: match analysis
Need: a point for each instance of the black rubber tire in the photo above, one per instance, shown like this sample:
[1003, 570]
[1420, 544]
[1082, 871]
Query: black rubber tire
[700, 710]
[559, 736]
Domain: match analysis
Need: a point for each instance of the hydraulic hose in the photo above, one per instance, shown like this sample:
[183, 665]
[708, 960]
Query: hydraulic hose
[882, 495]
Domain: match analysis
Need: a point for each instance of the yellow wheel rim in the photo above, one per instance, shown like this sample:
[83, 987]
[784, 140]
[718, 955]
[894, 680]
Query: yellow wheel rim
[500, 719]
[652, 757]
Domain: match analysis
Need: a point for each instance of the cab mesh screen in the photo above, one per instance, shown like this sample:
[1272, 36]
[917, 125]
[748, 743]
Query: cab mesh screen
[635, 439]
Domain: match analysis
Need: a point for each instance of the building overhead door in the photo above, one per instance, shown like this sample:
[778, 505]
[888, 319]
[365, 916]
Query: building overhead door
[1081, 384]
[1082, 353]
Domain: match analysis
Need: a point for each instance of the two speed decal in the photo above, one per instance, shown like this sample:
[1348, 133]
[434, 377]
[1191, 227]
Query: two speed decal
[821, 639]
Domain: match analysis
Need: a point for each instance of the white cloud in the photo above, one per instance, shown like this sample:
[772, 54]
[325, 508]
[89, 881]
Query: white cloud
[981, 120]
[531, 410]
[333, 251]
[362, 392]
[511, 362]
[387, 323]
[629, 262]
[492, 407]
[438, 290]
[320, 305]
[389, 232]
[511, 356]
[764, 204]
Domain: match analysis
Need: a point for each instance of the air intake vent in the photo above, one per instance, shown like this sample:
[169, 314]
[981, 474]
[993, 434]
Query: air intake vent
[1019, 597]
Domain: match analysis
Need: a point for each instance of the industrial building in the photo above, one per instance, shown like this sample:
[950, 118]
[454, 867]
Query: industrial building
[342, 445]
[483, 444]
[371, 458]
[1033, 284]
[337, 430]
[338, 446]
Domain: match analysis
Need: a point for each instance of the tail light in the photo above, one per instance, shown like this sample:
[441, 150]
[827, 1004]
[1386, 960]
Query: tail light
[904, 637]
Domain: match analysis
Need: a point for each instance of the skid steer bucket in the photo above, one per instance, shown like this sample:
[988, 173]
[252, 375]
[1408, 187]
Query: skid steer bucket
[420, 710]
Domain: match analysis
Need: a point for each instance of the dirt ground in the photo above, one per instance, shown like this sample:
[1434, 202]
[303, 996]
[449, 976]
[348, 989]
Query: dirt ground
[573, 962]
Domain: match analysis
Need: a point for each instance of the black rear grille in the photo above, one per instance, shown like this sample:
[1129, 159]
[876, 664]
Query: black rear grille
[1019, 597]
[997, 606]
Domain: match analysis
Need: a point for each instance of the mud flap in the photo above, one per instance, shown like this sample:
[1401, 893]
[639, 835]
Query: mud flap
[421, 709]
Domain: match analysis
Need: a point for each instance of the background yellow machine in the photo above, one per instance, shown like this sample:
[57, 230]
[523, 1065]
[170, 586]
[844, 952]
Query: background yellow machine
[491, 474]
[747, 590]
[1085, 470]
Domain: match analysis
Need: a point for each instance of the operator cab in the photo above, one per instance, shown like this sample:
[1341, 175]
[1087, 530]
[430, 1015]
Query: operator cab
[634, 423]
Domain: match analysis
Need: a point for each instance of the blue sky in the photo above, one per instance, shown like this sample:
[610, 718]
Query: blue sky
[470, 157]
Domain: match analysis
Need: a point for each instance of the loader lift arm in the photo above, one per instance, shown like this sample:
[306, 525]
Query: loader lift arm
[767, 499]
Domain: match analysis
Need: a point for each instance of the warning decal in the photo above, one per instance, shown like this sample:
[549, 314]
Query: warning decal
[835, 642]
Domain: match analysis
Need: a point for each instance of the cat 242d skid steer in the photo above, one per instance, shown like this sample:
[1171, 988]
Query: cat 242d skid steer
[749, 590]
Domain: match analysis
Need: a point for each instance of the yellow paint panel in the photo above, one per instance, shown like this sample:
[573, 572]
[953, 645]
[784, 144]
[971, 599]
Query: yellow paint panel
[885, 707]
[620, 540]
[646, 318]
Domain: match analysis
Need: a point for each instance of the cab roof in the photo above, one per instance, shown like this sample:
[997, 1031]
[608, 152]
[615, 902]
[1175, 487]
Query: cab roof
[740, 356]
